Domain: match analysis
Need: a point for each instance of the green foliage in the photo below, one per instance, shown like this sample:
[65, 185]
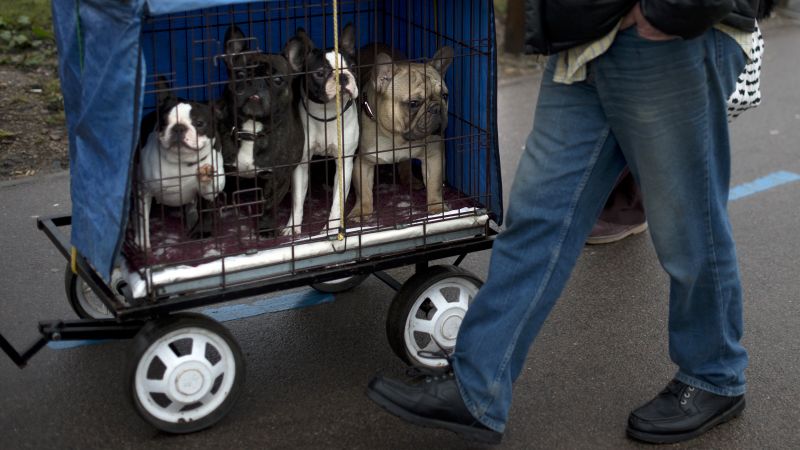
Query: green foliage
[6, 134]
[26, 36]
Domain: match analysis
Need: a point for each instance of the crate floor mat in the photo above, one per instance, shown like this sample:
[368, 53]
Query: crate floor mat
[236, 232]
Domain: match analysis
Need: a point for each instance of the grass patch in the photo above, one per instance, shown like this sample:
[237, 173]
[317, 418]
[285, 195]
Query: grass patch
[6, 134]
[38, 12]
[26, 33]
[55, 119]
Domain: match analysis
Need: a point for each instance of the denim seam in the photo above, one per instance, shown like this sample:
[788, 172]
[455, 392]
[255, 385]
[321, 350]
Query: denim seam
[718, 41]
[545, 280]
[722, 349]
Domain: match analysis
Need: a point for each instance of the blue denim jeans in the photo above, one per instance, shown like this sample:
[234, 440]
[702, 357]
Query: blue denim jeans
[660, 107]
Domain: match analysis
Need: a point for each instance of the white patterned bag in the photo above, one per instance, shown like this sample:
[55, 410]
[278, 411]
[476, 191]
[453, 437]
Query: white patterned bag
[747, 94]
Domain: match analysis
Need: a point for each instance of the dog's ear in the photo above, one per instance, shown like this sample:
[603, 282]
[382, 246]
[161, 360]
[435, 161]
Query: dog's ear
[235, 43]
[295, 53]
[219, 108]
[442, 59]
[297, 49]
[235, 40]
[382, 72]
[307, 42]
[347, 43]
[164, 94]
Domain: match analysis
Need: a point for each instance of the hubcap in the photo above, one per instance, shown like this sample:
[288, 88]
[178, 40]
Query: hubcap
[185, 375]
[450, 326]
[190, 382]
[435, 318]
[90, 302]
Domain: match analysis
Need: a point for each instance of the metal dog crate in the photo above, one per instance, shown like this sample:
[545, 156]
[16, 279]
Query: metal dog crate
[115, 60]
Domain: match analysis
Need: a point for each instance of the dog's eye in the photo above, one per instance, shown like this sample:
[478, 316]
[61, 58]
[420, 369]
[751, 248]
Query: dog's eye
[413, 104]
[240, 74]
[319, 74]
[277, 80]
[445, 96]
[198, 123]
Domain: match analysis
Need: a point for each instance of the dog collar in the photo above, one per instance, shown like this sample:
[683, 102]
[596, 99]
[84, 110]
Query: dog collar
[329, 119]
[247, 135]
[368, 109]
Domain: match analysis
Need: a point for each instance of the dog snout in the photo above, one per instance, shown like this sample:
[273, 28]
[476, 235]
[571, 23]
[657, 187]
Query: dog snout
[180, 130]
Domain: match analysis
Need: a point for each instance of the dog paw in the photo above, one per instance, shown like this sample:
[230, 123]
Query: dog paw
[438, 208]
[205, 173]
[357, 214]
[291, 231]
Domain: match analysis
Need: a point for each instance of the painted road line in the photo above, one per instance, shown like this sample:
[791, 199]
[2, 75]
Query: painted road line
[293, 300]
[762, 184]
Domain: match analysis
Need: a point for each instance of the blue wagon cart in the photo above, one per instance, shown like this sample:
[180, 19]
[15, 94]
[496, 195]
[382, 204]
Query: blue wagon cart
[186, 369]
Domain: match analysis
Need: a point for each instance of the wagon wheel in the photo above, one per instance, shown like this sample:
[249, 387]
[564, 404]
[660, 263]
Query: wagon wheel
[340, 284]
[426, 314]
[185, 372]
[82, 299]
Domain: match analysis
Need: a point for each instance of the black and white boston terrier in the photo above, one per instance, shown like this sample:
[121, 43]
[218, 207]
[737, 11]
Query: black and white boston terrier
[262, 136]
[318, 84]
[180, 161]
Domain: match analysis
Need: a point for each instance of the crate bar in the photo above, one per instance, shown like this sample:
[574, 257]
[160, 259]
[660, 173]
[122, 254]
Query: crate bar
[305, 278]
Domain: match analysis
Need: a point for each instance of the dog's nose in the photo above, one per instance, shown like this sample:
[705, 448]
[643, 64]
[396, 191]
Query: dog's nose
[180, 129]
[255, 97]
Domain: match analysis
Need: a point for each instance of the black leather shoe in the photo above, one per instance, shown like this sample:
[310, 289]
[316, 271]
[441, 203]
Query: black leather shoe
[681, 412]
[430, 401]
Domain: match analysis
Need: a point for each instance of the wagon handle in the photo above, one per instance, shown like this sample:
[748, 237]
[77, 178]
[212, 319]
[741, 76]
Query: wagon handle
[21, 359]
[72, 330]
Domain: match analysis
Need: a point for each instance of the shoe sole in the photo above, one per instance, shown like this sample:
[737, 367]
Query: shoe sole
[654, 438]
[466, 431]
[599, 240]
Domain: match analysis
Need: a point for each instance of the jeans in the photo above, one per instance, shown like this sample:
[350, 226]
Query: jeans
[660, 107]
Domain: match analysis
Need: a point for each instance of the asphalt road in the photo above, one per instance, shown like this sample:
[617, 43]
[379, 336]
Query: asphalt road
[602, 352]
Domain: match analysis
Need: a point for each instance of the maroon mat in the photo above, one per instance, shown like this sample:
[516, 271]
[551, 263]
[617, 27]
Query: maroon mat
[235, 232]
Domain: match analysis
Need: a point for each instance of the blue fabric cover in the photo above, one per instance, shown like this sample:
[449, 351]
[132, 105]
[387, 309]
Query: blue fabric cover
[103, 66]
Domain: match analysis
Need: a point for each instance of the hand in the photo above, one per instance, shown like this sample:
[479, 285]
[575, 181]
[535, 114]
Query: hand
[204, 173]
[645, 29]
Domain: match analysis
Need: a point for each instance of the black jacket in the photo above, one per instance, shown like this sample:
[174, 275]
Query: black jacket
[555, 25]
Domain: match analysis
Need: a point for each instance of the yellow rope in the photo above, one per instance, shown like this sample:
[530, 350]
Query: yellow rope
[339, 136]
[73, 261]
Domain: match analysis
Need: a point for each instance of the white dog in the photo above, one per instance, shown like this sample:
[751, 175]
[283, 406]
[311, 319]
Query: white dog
[179, 162]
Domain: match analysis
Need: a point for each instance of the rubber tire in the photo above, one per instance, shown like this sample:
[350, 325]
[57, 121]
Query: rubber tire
[71, 281]
[405, 298]
[155, 329]
[350, 282]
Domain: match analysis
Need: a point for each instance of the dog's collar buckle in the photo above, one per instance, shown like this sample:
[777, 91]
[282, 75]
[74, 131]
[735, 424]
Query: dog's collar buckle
[368, 109]
[245, 135]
